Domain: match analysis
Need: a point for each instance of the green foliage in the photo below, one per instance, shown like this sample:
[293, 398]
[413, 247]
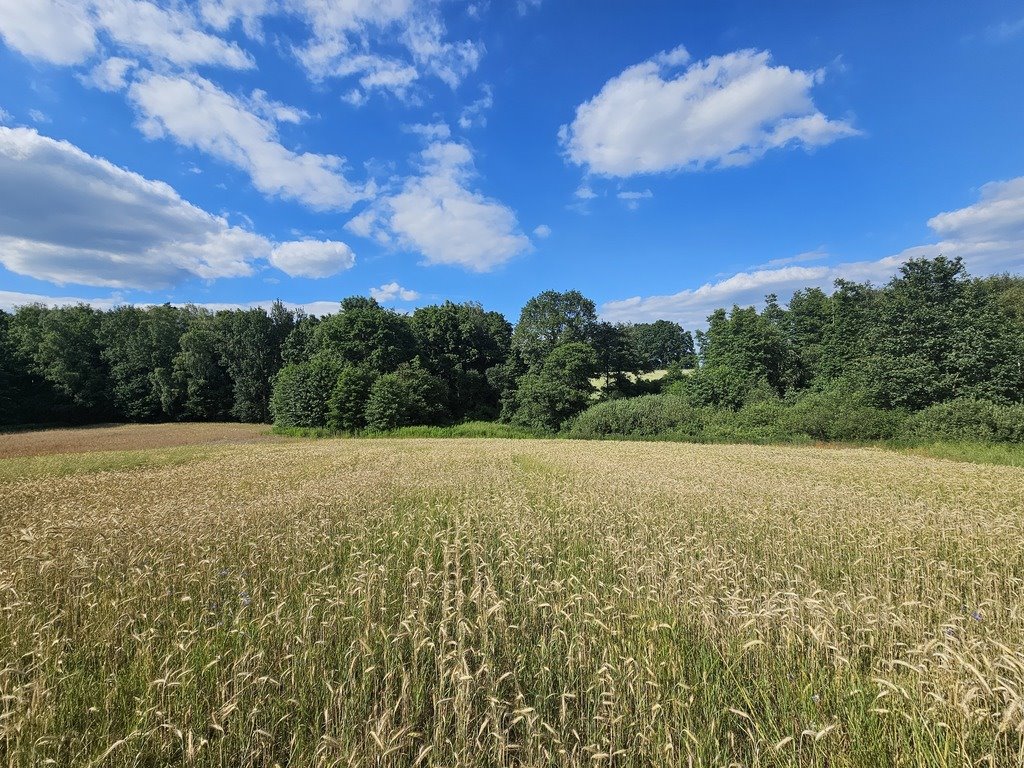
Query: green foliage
[409, 396]
[551, 319]
[460, 343]
[661, 344]
[479, 429]
[251, 351]
[62, 347]
[841, 413]
[932, 355]
[139, 346]
[346, 409]
[968, 420]
[645, 416]
[364, 333]
[301, 390]
[199, 374]
[560, 389]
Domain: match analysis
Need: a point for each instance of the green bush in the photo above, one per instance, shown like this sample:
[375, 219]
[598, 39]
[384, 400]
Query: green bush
[966, 419]
[301, 391]
[644, 416]
[841, 413]
[346, 409]
[408, 396]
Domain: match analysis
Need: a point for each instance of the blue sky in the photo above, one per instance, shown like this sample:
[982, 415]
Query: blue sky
[663, 158]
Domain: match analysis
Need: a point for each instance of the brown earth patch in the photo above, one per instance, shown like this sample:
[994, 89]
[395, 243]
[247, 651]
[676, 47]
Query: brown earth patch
[129, 437]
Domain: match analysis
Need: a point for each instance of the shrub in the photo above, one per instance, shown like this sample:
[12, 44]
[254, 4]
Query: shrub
[645, 416]
[967, 419]
[301, 391]
[347, 406]
[408, 396]
[841, 413]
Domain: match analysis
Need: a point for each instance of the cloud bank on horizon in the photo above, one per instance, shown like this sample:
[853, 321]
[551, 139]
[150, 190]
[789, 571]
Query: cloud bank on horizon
[204, 152]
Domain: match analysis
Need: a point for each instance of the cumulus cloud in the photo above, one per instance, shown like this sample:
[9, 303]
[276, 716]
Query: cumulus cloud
[430, 131]
[313, 258]
[542, 231]
[662, 115]
[69, 217]
[56, 31]
[392, 291]
[67, 32]
[172, 34]
[439, 215]
[989, 235]
[110, 74]
[243, 133]
[346, 41]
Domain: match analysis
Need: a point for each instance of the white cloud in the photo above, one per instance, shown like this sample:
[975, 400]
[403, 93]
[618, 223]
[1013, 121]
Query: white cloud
[66, 216]
[430, 131]
[69, 217]
[724, 111]
[438, 215]
[5, 116]
[57, 31]
[1006, 30]
[66, 32]
[392, 291]
[346, 37]
[38, 117]
[997, 217]
[313, 258]
[543, 231]
[988, 235]
[584, 192]
[476, 113]
[10, 300]
[171, 34]
[221, 14]
[198, 114]
[632, 199]
[110, 74]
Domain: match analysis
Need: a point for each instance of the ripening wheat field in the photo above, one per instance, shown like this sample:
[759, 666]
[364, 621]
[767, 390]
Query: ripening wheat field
[526, 603]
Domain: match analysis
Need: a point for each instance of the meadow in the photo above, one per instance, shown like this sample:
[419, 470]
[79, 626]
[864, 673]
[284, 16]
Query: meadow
[490, 602]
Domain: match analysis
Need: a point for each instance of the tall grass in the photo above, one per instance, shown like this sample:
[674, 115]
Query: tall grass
[510, 603]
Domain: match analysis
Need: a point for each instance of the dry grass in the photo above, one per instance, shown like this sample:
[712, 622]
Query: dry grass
[127, 437]
[526, 603]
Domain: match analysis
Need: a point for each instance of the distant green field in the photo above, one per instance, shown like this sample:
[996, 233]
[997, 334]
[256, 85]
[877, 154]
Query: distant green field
[599, 382]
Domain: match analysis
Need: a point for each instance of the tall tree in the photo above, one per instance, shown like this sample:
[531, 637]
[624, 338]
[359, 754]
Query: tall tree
[460, 343]
[550, 319]
[365, 333]
[139, 345]
[199, 371]
[558, 389]
[661, 344]
[62, 346]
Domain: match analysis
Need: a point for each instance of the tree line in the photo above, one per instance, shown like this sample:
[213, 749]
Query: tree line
[931, 335]
[364, 367]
